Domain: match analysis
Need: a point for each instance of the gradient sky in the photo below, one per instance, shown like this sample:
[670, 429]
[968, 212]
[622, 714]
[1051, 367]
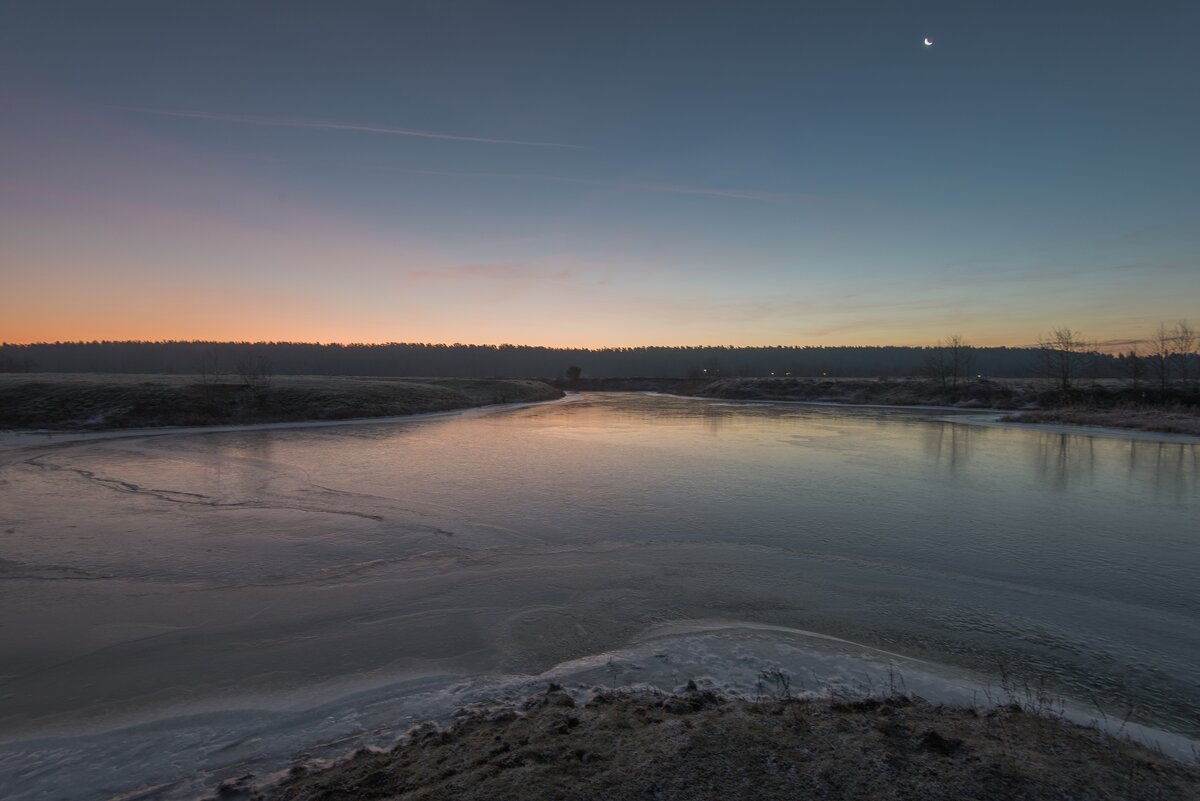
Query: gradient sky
[598, 173]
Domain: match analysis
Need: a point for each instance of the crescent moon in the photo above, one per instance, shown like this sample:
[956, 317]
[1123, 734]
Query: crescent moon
[927, 42]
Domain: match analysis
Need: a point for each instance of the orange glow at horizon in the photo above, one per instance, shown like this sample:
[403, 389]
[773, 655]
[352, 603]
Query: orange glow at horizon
[167, 325]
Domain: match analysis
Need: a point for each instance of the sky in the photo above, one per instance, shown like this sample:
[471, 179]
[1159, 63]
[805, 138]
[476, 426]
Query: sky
[598, 174]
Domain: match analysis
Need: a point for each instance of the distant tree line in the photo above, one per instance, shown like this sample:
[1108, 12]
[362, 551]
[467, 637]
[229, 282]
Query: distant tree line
[951, 361]
[1168, 358]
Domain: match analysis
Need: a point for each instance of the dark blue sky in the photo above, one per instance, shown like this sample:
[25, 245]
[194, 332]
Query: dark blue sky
[592, 174]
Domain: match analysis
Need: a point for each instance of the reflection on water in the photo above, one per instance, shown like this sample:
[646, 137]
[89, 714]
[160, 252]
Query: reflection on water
[152, 576]
[1174, 469]
[1061, 461]
[1167, 471]
[948, 445]
[1065, 458]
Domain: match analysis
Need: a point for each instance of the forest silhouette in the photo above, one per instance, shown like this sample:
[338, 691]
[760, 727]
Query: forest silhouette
[521, 361]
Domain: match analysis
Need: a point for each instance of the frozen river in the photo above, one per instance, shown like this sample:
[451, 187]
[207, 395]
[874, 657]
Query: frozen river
[180, 608]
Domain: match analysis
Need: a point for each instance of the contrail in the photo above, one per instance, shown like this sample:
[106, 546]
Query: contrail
[324, 125]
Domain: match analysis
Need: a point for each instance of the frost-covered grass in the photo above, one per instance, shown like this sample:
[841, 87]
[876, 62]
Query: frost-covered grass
[102, 401]
[1111, 404]
[694, 744]
[1170, 420]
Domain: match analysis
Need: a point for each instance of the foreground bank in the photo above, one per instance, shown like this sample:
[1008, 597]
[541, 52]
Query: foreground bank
[95, 402]
[698, 745]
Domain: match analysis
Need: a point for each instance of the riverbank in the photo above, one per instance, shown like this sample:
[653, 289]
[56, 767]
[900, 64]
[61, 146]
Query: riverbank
[1108, 405]
[1166, 421]
[695, 745]
[974, 394]
[97, 402]
[75, 402]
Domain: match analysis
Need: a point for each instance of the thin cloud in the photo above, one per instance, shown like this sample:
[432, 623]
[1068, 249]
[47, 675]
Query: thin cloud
[332, 125]
[647, 186]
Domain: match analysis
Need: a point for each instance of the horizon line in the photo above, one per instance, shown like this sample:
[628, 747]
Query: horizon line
[1095, 347]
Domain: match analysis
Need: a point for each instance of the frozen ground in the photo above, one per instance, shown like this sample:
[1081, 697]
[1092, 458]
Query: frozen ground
[178, 607]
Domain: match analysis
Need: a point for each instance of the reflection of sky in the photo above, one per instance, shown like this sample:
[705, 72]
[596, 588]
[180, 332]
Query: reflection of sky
[686, 173]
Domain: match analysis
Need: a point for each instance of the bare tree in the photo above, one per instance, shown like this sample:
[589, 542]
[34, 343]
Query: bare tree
[937, 366]
[961, 357]
[1135, 366]
[1185, 346]
[1063, 354]
[1162, 352]
[949, 361]
[254, 369]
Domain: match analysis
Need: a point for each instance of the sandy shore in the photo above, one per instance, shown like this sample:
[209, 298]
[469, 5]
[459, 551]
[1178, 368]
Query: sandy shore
[695, 744]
